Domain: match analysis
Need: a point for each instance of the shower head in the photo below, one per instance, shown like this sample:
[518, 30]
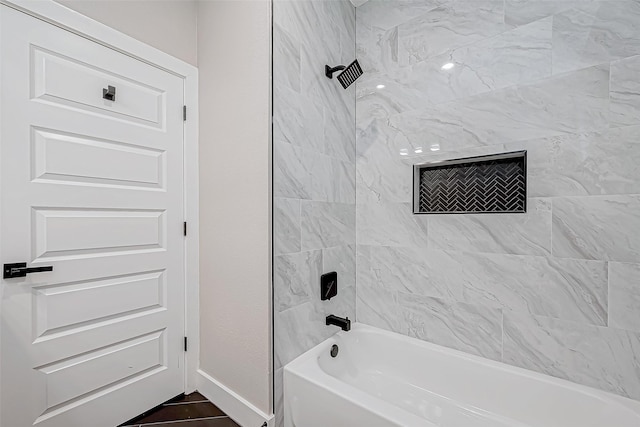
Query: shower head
[349, 74]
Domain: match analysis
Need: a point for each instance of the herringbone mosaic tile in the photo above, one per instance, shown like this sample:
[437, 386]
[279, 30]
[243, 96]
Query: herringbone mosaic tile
[477, 186]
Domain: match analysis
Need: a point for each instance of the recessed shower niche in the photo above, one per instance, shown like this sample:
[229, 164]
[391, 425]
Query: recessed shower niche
[485, 184]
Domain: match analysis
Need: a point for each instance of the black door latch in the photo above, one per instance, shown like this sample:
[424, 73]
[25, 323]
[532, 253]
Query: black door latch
[20, 269]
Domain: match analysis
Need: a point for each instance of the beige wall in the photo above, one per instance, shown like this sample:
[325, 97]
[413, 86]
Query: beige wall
[234, 43]
[168, 25]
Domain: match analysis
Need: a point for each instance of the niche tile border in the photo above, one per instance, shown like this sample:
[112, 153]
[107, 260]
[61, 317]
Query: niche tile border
[485, 184]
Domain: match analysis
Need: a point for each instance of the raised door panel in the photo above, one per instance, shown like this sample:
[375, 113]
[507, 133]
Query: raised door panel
[60, 157]
[95, 302]
[66, 81]
[68, 382]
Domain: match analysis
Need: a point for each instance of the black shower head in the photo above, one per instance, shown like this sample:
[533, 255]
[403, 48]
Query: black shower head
[349, 74]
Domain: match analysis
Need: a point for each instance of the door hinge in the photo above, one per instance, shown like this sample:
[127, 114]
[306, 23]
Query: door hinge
[185, 344]
[184, 113]
[184, 228]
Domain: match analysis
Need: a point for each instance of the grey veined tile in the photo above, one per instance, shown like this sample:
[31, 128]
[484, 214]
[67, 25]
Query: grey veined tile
[559, 288]
[599, 227]
[603, 358]
[341, 259]
[324, 225]
[394, 148]
[291, 174]
[470, 328]
[520, 12]
[525, 234]
[593, 163]
[380, 95]
[412, 270]
[449, 26]
[296, 330]
[320, 92]
[377, 49]
[384, 181]
[278, 398]
[603, 32]
[624, 296]
[286, 59]
[286, 225]
[295, 278]
[297, 119]
[517, 56]
[377, 140]
[306, 174]
[625, 91]
[344, 305]
[379, 307]
[390, 224]
[332, 180]
[465, 327]
[342, 17]
[339, 135]
[387, 14]
[566, 289]
[296, 17]
[573, 102]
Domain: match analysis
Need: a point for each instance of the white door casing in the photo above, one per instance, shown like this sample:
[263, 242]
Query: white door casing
[93, 188]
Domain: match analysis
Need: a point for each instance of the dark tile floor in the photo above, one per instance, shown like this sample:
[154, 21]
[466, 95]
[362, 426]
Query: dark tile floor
[192, 410]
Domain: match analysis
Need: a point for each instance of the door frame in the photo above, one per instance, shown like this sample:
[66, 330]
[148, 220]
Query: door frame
[65, 18]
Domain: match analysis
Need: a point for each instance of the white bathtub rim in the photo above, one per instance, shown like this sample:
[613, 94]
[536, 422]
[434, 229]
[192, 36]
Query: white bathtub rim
[300, 365]
[379, 406]
[354, 395]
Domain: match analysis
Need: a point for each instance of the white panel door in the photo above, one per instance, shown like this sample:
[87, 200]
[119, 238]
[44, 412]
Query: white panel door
[93, 188]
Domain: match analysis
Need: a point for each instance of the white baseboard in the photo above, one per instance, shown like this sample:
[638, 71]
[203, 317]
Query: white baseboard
[234, 405]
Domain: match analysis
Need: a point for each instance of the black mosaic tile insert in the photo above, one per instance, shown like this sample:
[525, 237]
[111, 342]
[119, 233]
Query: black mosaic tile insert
[486, 184]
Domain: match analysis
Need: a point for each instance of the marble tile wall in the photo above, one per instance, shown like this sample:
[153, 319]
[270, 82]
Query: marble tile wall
[314, 175]
[555, 290]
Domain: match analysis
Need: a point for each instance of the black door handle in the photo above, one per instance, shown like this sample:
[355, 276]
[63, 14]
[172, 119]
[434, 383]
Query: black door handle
[20, 269]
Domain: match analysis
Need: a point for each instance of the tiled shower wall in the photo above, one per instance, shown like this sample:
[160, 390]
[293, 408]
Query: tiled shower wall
[555, 290]
[314, 174]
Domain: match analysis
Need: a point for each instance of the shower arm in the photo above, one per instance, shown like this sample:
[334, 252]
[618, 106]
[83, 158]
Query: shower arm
[328, 71]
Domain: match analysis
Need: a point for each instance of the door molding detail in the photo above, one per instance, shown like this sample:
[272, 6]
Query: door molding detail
[63, 17]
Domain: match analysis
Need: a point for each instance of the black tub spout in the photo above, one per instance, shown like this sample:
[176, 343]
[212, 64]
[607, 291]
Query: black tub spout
[343, 323]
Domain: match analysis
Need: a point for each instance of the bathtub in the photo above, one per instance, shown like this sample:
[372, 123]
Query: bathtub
[380, 378]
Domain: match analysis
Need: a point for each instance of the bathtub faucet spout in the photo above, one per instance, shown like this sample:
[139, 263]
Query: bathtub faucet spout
[343, 323]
